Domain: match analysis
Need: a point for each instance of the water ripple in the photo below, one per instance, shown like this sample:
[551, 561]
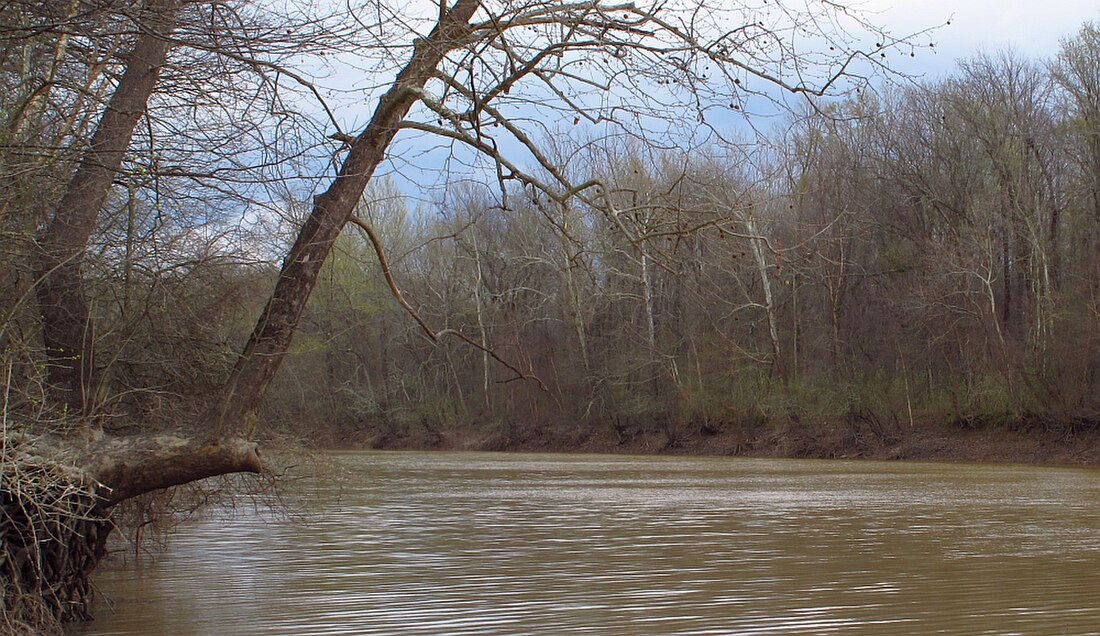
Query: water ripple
[484, 544]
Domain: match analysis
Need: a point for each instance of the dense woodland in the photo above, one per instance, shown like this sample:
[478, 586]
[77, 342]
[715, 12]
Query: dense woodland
[514, 225]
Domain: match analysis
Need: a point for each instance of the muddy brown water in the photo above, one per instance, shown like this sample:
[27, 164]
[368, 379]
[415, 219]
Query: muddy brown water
[434, 543]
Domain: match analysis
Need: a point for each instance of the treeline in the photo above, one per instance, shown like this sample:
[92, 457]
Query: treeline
[919, 257]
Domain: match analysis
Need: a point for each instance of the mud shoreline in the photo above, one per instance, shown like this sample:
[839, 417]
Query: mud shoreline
[1073, 442]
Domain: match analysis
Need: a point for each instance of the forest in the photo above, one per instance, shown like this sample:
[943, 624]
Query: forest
[914, 257]
[561, 226]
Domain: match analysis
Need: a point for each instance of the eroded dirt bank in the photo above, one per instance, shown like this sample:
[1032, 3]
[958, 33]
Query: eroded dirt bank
[1028, 440]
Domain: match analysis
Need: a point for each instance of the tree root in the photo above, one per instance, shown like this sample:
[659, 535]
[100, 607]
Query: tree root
[52, 535]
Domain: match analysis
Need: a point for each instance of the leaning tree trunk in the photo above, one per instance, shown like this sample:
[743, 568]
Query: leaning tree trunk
[67, 328]
[236, 409]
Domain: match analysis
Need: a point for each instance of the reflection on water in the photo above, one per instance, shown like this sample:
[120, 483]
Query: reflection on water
[418, 543]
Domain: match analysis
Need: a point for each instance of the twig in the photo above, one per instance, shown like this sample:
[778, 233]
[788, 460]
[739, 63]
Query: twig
[394, 290]
[433, 335]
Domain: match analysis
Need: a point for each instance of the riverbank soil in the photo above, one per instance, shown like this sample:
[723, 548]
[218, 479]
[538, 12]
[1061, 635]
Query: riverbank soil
[1031, 439]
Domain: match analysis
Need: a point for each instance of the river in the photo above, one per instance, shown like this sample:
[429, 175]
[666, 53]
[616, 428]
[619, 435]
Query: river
[442, 543]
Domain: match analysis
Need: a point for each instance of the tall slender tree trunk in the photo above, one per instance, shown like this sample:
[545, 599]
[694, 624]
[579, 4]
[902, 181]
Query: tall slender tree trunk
[576, 316]
[1094, 152]
[647, 299]
[796, 330]
[479, 306]
[757, 243]
[573, 301]
[1006, 281]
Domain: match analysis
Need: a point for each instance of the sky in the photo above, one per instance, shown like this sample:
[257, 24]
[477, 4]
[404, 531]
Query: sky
[1034, 28]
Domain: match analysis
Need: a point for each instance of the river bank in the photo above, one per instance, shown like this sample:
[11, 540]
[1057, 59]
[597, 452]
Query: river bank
[1073, 441]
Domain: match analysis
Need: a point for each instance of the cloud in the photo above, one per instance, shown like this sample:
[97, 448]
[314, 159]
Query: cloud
[1034, 29]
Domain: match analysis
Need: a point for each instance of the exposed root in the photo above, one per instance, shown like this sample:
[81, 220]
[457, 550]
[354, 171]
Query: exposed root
[51, 537]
